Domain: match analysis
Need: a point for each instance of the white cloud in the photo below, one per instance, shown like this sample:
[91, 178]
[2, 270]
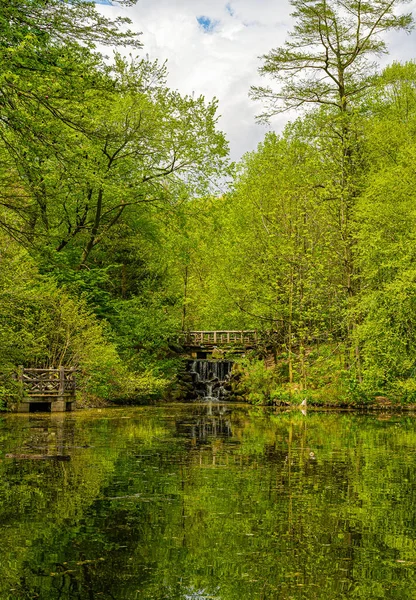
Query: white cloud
[221, 58]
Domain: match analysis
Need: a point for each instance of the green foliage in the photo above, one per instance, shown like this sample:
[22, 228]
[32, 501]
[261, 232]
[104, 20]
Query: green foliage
[111, 147]
[41, 325]
[327, 59]
[51, 20]
[114, 236]
[325, 268]
[96, 156]
[255, 383]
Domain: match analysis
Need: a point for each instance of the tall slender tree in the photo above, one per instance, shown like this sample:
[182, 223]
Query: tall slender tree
[329, 62]
[329, 57]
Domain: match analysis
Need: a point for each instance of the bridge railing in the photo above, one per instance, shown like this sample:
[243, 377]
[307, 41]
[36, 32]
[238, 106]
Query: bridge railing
[220, 338]
[48, 383]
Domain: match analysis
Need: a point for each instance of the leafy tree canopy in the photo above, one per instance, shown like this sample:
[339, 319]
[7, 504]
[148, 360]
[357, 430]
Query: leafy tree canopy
[329, 57]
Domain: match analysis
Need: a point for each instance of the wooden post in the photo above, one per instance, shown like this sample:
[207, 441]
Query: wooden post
[20, 370]
[61, 383]
[74, 384]
[58, 405]
[215, 337]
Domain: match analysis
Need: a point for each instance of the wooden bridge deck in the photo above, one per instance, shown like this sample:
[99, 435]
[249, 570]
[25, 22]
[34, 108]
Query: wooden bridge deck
[219, 339]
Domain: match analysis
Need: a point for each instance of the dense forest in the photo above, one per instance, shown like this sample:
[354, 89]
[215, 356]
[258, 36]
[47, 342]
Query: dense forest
[123, 222]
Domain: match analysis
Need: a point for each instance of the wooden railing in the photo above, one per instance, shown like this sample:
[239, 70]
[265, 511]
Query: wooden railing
[219, 338]
[48, 383]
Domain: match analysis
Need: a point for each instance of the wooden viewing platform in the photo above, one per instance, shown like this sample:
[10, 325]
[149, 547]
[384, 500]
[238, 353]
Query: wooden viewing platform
[47, 389]
[219, 339]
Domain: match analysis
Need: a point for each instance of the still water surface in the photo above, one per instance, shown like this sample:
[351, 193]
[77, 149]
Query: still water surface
[187, 502]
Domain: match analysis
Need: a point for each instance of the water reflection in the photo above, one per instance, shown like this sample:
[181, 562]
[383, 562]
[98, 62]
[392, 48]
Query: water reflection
[207, 501]
[214, 422]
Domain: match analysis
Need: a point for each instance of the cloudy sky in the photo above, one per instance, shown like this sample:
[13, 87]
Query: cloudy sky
[212, 48]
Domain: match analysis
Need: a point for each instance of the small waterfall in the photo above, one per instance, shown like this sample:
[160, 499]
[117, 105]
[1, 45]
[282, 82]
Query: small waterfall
[209, 377]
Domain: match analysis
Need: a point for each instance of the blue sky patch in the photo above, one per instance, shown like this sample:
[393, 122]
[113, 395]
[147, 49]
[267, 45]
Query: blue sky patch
[207, 24]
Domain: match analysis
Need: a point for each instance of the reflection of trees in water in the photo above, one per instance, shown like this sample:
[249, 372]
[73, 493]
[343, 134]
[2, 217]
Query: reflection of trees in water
[192, 594]
[44, 502]
[286, 507]
[53, 435]
[210, 421]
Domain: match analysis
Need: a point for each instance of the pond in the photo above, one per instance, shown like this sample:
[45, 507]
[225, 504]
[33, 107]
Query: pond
[198, 501]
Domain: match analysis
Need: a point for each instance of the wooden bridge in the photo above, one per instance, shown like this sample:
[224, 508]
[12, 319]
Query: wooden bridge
[49, 390]
[208, 340]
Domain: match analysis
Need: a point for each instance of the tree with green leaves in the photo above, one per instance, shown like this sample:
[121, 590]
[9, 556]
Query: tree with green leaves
[95, 157]
[103, 153]
[78, 21]
[328, 63]
[385, 233]
[328, 59]
[38, 38]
